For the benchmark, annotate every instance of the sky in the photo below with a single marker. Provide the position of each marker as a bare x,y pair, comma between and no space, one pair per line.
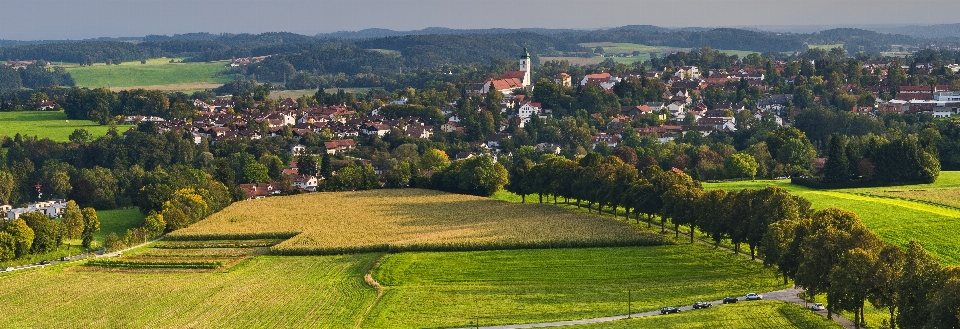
80,19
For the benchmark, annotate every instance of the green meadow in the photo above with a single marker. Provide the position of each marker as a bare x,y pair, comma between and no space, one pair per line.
156,72
449,289
49,124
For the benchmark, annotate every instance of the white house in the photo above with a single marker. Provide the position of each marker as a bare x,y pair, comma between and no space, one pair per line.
528,110
306,183
52,209
298,149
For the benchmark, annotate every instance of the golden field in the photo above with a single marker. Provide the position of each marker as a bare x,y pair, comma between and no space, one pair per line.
411,219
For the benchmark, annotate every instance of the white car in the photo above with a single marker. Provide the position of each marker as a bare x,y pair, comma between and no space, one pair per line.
753,296
817,307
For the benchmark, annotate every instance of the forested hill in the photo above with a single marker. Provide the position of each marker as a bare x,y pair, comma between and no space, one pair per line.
433,46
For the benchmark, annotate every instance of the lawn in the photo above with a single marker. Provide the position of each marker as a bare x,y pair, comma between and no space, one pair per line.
49,124
155,73
262,292
524,286
896,220
411,220
760,314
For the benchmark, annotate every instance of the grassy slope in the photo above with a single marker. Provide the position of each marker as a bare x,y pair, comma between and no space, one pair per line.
278,292
50,124
523,286
896,221
155,72
412,219
761,314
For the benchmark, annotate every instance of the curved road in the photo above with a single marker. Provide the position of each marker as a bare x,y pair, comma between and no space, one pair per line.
786,295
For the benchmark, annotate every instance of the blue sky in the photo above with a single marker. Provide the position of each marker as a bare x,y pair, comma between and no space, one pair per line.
77,19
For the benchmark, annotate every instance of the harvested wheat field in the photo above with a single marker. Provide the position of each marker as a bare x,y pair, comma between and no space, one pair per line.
410,220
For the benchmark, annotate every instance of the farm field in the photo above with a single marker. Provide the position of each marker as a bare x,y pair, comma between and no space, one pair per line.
759,314
411,220
49,124
897,221
266,291
157,73
523,286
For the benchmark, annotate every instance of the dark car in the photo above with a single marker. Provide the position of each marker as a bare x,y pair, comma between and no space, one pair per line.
729,300
669,309
44,262
699,305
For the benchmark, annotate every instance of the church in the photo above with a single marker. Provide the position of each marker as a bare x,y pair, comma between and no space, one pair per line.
511,80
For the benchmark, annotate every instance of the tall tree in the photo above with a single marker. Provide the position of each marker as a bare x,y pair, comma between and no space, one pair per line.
91,225
921,278
72,221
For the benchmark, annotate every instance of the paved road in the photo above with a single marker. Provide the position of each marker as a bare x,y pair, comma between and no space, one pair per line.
787,295
95,254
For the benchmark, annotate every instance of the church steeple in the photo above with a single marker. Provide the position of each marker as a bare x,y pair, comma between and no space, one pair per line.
526,67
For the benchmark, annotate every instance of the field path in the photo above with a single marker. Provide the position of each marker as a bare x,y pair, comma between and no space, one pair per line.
368,278
786,295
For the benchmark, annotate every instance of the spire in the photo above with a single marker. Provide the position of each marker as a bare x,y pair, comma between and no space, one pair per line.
525,53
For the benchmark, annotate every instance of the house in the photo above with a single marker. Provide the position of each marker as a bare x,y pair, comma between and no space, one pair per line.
493,141
504,86
419,131
563,80
52,208
687,72
260,190
298,149
450,127
720,123
306,182
528,110
547,148
45,105
378,129
339,145
676,108
610,140
604,80
775,103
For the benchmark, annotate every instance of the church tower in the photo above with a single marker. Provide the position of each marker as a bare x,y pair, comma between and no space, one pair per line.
525,67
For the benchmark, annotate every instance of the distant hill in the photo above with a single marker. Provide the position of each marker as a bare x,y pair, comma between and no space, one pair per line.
925,31
384,33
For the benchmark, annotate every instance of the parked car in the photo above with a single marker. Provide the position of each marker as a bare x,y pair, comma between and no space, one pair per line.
669,309
753,296
699,305
817,307
729,300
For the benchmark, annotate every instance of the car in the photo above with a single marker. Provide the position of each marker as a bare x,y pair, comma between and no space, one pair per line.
753,296
669,309
699,305
817,307
45,262
729,300
64,258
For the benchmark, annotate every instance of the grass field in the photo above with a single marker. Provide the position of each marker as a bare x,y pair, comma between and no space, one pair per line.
412,220
154,74
523,286
50,124
262,292
825,47
760,314
897,221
